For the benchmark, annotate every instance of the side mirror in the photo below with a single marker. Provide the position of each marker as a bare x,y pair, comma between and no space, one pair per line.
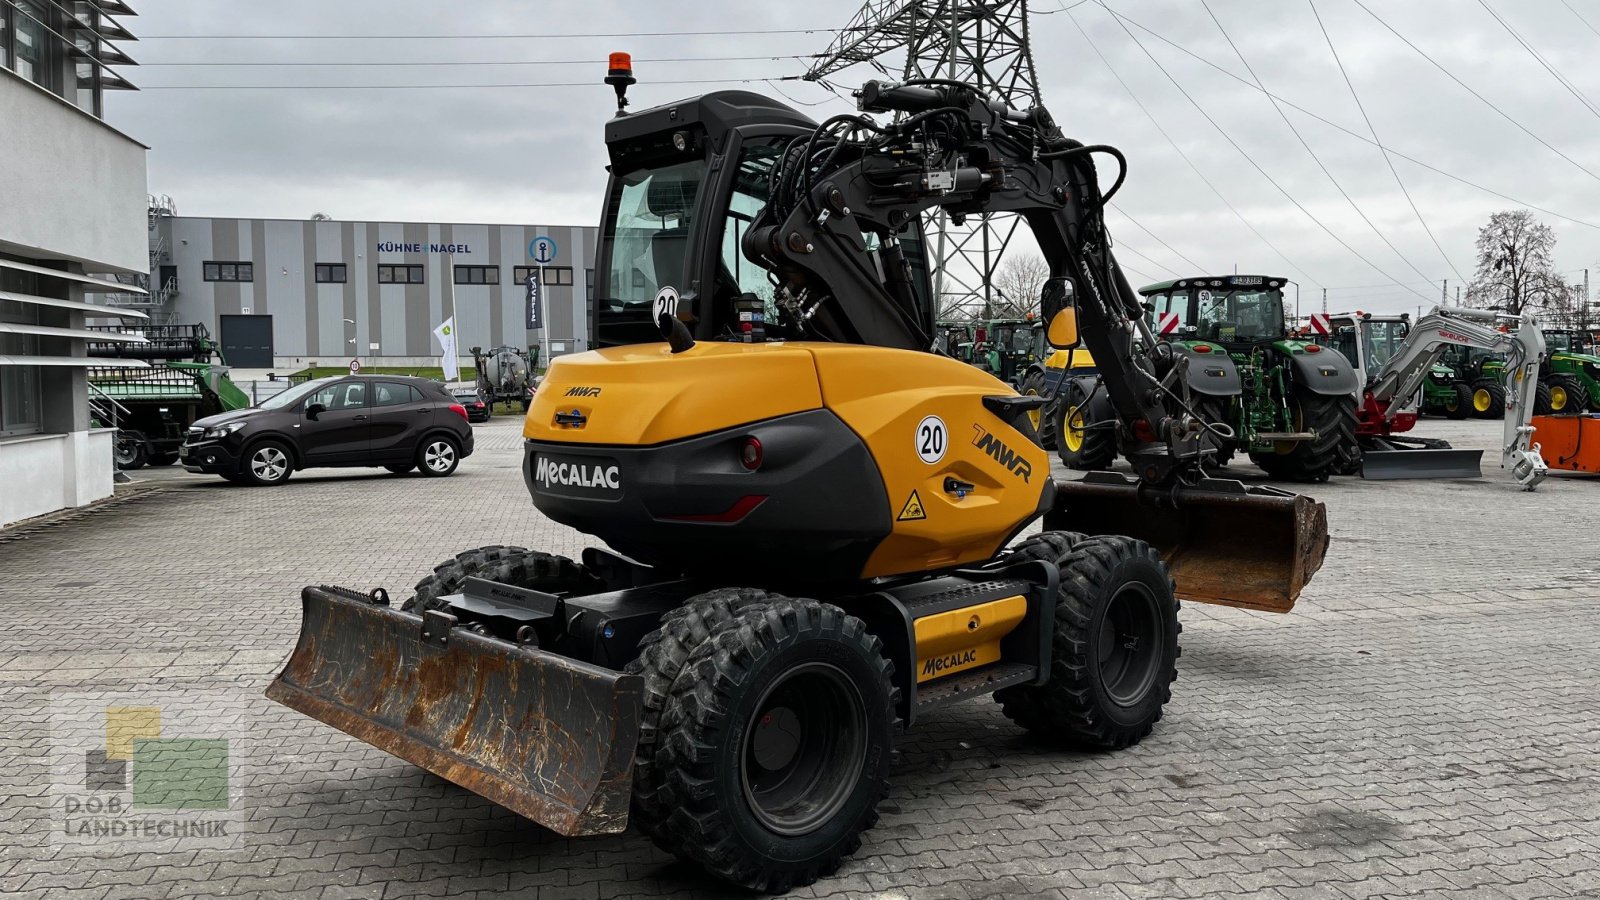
315,409
1059,304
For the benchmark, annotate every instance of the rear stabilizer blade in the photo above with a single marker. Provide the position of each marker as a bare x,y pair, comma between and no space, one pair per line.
1391,465
545,736
1224,542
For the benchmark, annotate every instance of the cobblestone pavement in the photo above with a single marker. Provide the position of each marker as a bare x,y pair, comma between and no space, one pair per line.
1423,724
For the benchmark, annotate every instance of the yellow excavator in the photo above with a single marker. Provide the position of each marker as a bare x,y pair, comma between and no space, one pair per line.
811,530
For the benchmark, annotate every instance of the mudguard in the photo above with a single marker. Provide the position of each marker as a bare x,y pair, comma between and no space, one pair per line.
1327,373
1211,374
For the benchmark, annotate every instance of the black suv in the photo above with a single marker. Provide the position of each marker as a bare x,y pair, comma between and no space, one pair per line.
393,421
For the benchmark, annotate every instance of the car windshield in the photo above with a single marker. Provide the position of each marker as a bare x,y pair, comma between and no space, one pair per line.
295,394
1236,316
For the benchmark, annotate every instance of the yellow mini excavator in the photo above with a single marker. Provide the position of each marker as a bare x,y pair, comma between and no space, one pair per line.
810,521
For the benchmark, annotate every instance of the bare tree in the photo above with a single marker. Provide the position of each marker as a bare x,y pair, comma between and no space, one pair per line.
1017,284
1515,271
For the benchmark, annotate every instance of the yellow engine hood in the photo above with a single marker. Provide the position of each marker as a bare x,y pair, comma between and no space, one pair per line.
643,394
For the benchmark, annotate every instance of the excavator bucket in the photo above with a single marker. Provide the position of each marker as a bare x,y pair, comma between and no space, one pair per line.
546,736
1225,543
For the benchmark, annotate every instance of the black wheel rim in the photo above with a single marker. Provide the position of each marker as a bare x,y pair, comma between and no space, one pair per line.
1130,644
804,749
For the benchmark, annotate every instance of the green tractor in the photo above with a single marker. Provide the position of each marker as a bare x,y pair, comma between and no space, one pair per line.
953,339
1484,374
1003,348
1569,379
1289,403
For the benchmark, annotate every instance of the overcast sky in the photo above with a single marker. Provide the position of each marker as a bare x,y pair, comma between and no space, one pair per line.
534,154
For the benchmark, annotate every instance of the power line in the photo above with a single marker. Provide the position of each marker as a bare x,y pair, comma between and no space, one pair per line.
1247,157
473,37
1503,114
1120,211
1360,137
1306,144
1124,248
1564,81
1153,121
1580,17
473,62
1368,119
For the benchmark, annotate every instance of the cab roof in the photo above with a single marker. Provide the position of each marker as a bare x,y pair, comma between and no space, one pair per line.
1216,281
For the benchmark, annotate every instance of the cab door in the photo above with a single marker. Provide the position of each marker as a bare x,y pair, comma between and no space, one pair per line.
336,424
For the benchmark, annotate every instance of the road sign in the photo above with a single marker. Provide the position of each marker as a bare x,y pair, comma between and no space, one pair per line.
543,250
355,367
1167,322
1320,324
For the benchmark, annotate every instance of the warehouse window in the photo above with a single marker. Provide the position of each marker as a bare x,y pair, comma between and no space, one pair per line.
399,274
331,273
214,270
477,275
588,285
549,275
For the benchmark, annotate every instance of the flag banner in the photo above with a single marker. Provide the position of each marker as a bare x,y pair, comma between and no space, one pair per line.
446,333
535,301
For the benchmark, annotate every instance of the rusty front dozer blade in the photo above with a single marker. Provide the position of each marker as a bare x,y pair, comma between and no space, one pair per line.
546,736
1225,543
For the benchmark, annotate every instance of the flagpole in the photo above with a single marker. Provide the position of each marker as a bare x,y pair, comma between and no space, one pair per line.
455,327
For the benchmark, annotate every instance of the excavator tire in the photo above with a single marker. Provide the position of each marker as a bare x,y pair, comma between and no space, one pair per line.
1489,400
1114,650
1045,419
1460,406
775,744
1086,436
662,654
1333,418
506,565
1568,396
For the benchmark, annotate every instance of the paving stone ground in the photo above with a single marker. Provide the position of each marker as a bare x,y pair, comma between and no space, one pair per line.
1424,724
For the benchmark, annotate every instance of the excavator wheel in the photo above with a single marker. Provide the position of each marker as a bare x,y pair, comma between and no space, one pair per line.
1045,419
775,744
1459,406
1115,647
1331,452
1567,395
1489,400
1086,432
506,565
662,654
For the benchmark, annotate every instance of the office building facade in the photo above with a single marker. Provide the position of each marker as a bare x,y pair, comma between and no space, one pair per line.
72,213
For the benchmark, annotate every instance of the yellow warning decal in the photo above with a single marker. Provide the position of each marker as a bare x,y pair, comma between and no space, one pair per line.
912,510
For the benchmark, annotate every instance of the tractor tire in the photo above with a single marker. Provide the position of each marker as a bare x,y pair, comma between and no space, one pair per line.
1568,396
1333,450
505,565
775,744
662,654
1541,399
1114,649
1489,400
130,453
1043,419
1461,405
267,463
1086,438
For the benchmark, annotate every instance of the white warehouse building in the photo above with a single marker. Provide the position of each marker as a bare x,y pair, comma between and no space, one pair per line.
287,293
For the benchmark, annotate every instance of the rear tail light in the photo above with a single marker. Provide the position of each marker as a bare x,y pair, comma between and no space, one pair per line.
459,410
1202,348
1313,348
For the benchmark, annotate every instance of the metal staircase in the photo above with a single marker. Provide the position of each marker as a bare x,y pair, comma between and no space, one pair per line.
157,301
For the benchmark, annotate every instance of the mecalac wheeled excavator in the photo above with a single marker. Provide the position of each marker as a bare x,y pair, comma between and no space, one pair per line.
812,527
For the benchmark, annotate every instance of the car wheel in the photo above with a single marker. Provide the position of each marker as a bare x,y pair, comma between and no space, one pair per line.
268,463
438,456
